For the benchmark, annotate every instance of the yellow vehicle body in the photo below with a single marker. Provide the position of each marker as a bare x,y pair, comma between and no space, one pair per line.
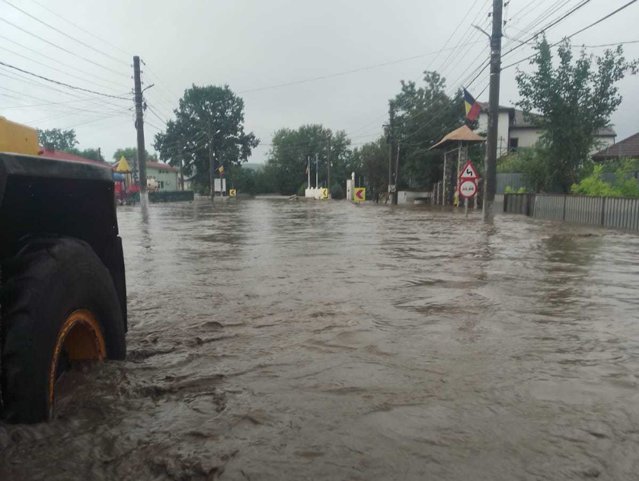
18,138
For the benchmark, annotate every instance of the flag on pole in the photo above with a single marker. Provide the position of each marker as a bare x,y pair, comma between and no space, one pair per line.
472,106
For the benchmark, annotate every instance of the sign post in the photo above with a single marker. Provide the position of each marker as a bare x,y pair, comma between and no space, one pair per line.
468,184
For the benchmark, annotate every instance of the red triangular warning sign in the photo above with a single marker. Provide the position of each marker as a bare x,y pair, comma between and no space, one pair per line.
468,172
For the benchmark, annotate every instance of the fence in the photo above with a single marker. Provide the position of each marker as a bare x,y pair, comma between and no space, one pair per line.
612,212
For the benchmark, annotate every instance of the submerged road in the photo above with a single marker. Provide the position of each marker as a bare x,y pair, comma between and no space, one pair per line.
277,340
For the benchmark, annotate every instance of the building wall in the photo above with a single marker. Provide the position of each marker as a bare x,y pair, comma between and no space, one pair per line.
525,137
168,180
503,127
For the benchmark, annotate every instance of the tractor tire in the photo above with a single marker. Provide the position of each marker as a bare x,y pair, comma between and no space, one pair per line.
58,306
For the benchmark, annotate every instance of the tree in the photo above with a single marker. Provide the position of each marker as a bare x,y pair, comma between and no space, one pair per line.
575,98
292,148
371,161
57,139
423,115
208,127
131,154
93,154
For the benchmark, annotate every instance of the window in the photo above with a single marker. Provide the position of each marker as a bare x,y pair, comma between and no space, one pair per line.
513,144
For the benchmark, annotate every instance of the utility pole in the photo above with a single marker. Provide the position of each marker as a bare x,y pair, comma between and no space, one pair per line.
211,163
390,139
328,161
139,125
490,180
308,171
396,193
316,171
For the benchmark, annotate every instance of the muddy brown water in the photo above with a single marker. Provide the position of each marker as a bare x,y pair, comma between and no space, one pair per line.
277,340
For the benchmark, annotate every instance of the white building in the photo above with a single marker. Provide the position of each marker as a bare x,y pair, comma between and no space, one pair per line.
514,131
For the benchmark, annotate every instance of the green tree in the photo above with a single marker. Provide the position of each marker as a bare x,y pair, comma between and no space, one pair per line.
58,139
423,116
575,97
291,149
93,154
131,154
208,124
371,161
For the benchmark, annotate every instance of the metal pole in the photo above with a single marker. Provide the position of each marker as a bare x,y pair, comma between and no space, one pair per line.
444,180
316,171
308,171
493,113
139,125
390,139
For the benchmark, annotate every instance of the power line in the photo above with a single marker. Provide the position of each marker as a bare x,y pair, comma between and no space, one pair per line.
64,84
60,48
61,32
88,32
346,72
596,22
65,72
71,67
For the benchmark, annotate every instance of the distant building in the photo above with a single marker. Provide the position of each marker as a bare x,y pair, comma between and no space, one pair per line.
515,131
624,149
62,155
165,175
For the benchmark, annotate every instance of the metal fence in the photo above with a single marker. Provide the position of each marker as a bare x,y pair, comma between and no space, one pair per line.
612,212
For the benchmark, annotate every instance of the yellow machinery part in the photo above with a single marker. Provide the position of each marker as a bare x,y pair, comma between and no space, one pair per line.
18,138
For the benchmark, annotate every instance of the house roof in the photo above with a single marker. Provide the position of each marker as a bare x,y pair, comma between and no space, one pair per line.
520,121
461,134
149,165
61,155
160,166
628,147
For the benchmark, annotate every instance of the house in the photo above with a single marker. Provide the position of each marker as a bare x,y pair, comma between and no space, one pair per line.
159,176
165,175
514,130
624,149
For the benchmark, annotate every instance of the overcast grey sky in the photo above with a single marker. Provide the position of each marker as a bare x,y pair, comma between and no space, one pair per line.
259,46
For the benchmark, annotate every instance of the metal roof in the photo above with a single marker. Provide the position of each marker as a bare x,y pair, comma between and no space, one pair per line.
626,148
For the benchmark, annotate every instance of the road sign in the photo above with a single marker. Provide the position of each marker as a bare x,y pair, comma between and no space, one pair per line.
359,194
468,172
468,189
232,192
324,193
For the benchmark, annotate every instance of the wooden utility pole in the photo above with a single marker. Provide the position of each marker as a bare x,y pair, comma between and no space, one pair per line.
493,113
139,125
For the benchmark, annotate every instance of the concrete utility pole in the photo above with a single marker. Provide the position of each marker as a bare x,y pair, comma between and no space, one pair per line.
139,125
396,193
211,163
490,180
328,161
390,139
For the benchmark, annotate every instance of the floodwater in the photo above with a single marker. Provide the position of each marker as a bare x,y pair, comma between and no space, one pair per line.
279,340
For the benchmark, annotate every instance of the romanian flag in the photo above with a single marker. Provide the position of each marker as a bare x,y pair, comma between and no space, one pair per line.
472,106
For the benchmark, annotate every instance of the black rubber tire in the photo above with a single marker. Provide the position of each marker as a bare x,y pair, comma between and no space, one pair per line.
42,285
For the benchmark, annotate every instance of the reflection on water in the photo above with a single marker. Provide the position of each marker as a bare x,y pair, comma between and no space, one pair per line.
302,340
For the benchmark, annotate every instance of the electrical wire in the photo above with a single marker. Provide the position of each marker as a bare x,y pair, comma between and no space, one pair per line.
61,48
61,32
64,84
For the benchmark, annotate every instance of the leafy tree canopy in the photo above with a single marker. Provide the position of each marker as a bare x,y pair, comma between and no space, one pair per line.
131,154
292,148
576,97
208,125
58,139
424,114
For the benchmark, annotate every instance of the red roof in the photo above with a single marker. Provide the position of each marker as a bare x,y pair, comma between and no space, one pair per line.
60,155
160,166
